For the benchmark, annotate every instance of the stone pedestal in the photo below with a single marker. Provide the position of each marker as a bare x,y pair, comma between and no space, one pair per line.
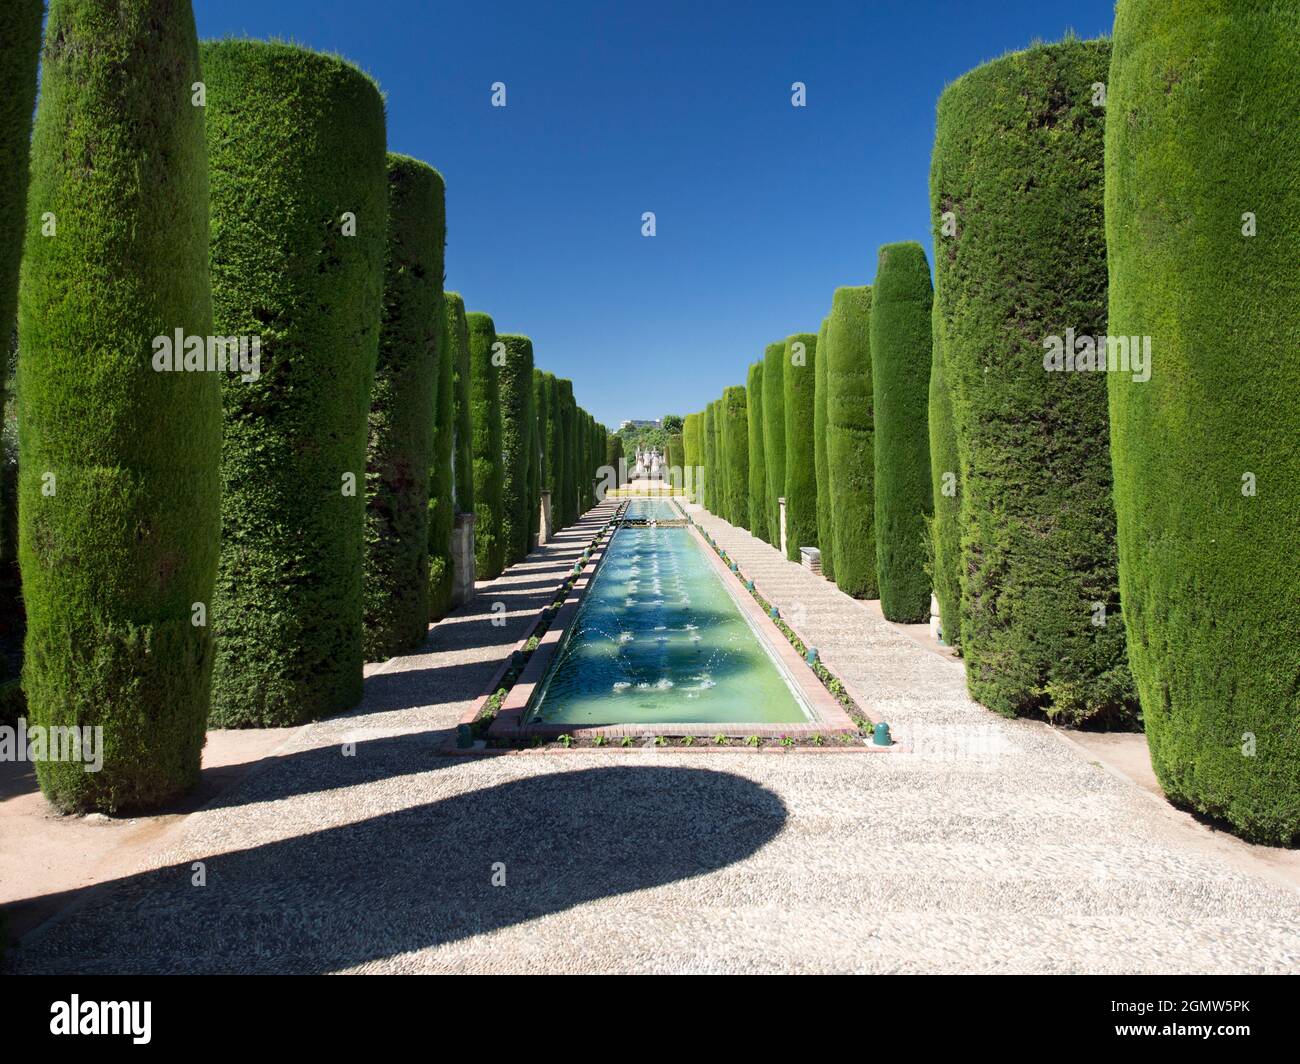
783,550
544,529
462,560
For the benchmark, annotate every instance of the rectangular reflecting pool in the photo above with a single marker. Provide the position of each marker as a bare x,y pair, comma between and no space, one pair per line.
659,639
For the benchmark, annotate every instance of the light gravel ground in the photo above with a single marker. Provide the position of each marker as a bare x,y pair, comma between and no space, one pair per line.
994,846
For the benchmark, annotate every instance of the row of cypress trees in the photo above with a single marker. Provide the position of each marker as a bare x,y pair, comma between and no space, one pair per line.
222,534
1109,535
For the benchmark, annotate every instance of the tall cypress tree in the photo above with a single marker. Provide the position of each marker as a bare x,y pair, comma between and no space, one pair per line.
1207,468
1022,137
403,402
825,520
757,489
463,441
736,427
517,434
901,305
294,138
850,451
20,45
800,370
118,479
485,406
693,454
774,435
444,471
945,488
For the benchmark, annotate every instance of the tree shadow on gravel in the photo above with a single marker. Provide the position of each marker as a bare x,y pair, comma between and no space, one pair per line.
416,878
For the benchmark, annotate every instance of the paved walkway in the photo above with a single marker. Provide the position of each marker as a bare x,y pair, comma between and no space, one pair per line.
995,846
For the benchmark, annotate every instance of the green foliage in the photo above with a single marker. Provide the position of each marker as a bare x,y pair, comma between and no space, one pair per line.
20,45
463,438
800,381
756,491
693,451
296,147
945,478
403,400
565,415
516,376
445,468
485,409
614,451
1021,138
676,456
901,306
774,435
672,424
543,392
116,554
850,451
825,520
735,425
1208,566
710,440
720,460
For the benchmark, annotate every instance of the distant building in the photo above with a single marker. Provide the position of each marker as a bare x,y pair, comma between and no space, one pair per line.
635,424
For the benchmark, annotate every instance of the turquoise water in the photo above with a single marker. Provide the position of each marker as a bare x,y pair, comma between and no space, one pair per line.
659,640
652,510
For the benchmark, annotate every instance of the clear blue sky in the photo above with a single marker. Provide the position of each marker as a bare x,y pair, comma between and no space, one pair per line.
680,108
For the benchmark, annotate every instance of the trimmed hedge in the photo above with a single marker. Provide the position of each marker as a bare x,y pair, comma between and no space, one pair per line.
774,435
825,520
800,453
564,413
405,395
901,307
736,429
542,393
614,455
850,450
723,497
517,446
295,138
1207,468
710,441
1021,137
20,46
463,416
443,470
676,459
945,480
756,492
118,479
485,410
573,417
693,451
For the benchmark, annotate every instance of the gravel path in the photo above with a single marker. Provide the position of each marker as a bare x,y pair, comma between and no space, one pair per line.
994,846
